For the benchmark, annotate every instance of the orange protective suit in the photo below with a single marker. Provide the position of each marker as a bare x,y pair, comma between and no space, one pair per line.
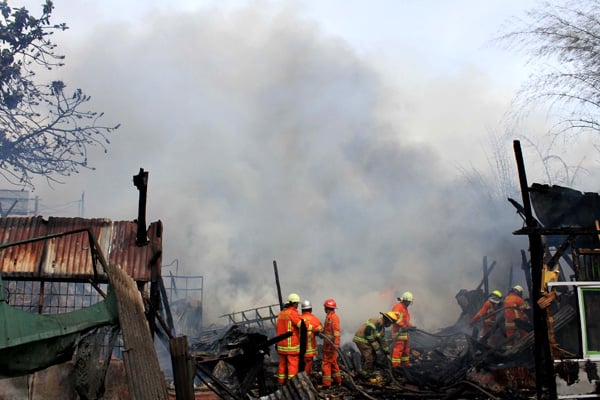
401,350
288,349
313,326
514,308
488,316
332,333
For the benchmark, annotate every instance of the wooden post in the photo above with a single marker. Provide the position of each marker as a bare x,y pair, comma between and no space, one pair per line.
278,287
544,368
140,181
486,282
182,368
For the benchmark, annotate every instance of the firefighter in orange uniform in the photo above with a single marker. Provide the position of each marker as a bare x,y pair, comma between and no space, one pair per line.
370,338
514,309
288,349
488,313
313,329
401,350
331,343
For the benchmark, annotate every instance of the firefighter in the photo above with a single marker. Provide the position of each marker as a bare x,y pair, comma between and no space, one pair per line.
370,338
313,329
330,368
488,314
401,348
288,349
514,310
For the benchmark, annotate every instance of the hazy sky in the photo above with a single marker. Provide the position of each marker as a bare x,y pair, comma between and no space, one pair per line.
336,137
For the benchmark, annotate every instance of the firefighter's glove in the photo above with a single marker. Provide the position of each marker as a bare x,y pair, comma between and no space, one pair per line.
319,334
386,353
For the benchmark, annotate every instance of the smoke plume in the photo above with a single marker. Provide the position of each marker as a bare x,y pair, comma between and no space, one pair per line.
266,139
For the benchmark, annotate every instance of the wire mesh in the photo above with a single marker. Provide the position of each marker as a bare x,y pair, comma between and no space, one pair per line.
51,298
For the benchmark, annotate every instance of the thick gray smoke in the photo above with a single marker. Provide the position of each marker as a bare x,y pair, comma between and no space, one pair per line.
266,140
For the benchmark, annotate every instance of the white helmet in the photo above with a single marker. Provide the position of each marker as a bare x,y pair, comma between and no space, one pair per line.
518,289
306,305
407,296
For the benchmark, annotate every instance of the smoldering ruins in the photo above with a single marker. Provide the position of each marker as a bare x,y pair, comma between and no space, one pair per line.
116,346
329,188
267,163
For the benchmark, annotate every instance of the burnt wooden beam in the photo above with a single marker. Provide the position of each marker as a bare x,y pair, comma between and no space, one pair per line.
560,251
140,181
278,286
214,383
544,368
486,282
486,273
526,267
154,265
567,230
165,302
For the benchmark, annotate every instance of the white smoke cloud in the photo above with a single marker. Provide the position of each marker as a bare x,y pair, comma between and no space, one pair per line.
267,140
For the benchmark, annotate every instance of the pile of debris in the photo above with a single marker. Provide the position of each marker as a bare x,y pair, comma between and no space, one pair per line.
241,363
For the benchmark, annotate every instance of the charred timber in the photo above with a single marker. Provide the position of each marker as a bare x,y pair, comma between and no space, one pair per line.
569,230
543,362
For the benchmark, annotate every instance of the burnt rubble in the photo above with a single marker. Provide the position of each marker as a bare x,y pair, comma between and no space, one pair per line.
241,363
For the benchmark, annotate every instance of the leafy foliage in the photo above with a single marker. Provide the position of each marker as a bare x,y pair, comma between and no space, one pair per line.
43,130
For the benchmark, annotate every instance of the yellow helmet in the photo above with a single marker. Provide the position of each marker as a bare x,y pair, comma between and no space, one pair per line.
293,298
497,293
391,316
407,296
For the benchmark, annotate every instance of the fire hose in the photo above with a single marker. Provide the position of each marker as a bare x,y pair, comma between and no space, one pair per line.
482,390
522,324
437,335
465,382
390,371
394,380
347,369
461,333
498,311
355,386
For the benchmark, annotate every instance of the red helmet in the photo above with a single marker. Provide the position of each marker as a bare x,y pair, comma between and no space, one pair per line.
330,303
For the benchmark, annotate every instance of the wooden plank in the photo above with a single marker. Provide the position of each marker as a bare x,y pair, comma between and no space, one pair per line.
184,378
145,379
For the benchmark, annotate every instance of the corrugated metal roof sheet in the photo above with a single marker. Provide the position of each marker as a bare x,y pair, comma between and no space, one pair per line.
68,257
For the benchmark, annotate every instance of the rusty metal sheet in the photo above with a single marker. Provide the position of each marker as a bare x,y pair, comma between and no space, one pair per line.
68,257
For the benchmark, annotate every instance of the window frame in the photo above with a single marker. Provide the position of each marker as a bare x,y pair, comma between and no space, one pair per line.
581,287
587,352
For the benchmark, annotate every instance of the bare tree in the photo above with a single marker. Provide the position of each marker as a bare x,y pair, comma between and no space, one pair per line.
554,167
563,42
43,129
